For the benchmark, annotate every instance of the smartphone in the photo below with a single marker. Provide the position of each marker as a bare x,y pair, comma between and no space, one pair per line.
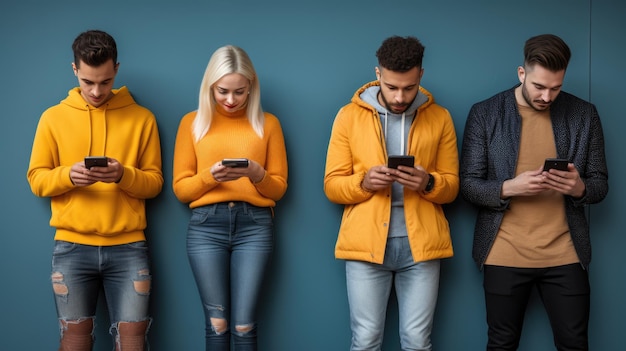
235,162
96,161
393,161
556,163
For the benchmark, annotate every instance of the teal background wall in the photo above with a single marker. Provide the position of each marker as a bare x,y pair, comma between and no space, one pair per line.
311,57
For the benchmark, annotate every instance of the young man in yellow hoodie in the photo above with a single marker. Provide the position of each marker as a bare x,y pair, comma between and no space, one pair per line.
98,211
393,231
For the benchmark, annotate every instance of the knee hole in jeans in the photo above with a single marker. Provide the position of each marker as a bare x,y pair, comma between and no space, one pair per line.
244,328
133,328
78,326
76,334
219,325
131,336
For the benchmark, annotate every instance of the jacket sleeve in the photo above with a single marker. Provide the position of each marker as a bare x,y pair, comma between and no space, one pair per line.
594,172
477,186
446,171
341,184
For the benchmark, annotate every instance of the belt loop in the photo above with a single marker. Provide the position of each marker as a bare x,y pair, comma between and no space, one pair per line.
212,208
245,207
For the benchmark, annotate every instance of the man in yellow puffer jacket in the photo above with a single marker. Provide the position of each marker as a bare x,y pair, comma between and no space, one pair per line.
393,230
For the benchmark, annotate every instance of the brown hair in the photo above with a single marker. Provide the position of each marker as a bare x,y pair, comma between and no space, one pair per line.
547,50
94,47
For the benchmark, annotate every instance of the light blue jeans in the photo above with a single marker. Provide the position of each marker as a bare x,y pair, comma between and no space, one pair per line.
369,287
229,246
80,272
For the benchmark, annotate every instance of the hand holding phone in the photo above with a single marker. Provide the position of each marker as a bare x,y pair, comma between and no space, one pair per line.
235,162
556,163
96,161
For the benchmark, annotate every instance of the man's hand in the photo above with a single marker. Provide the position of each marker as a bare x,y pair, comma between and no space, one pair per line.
565,182
381,177
414,178
81,176
377,178
528,183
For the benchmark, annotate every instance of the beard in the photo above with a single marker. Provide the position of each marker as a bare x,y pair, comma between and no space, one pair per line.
532,103
395,108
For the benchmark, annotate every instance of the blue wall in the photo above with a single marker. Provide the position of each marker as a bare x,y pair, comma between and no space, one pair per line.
310,57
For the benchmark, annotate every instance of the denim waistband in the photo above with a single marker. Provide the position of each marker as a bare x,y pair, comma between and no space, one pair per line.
230,205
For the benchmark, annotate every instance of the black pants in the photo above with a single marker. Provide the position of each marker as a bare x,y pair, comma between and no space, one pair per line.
564,291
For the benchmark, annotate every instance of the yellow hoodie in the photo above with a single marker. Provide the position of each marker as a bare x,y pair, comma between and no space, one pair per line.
101,214
357,144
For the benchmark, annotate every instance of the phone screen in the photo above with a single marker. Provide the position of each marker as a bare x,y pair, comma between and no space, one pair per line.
96,161
235,162
393,161
556,163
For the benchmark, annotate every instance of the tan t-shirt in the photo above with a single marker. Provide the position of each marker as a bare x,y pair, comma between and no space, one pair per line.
534,231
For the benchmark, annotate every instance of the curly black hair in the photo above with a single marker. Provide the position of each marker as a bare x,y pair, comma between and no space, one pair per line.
400,54
94,47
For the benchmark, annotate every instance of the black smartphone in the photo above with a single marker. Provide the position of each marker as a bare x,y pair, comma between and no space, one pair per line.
235,162
393,161
556,163
96,161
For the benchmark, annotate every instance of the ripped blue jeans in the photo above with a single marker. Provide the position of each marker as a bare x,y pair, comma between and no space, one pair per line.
229,246
80,272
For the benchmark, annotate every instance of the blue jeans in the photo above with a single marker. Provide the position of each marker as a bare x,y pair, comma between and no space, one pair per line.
79,272
369,287
229,246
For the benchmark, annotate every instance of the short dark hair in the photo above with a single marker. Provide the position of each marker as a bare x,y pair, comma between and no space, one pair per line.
94,47
400,54
547,50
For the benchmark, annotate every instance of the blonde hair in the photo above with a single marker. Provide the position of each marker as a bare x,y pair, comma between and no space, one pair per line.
227,60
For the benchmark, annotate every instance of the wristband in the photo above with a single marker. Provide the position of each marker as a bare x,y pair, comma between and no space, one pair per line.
431,183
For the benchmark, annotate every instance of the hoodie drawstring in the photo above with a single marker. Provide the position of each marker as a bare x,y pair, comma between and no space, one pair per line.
104,131
90,129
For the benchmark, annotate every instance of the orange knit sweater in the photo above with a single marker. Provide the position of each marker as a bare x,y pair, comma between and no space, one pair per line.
230,136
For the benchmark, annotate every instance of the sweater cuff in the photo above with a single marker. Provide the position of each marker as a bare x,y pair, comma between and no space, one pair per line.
260,181
361,178
207,177
69,177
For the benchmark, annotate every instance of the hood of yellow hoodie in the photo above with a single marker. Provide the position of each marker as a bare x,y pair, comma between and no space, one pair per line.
121,98
357,99
96,116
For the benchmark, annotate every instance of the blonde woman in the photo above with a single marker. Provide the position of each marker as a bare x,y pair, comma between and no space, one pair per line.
230,166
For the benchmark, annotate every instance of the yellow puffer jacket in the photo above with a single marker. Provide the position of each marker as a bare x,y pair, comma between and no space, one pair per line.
357,144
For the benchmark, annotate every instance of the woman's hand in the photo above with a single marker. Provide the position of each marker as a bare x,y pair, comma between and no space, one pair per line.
222,173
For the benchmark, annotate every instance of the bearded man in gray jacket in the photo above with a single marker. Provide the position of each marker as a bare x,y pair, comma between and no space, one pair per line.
531,229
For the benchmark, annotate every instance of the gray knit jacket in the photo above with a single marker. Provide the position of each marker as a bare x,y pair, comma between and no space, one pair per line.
489,156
